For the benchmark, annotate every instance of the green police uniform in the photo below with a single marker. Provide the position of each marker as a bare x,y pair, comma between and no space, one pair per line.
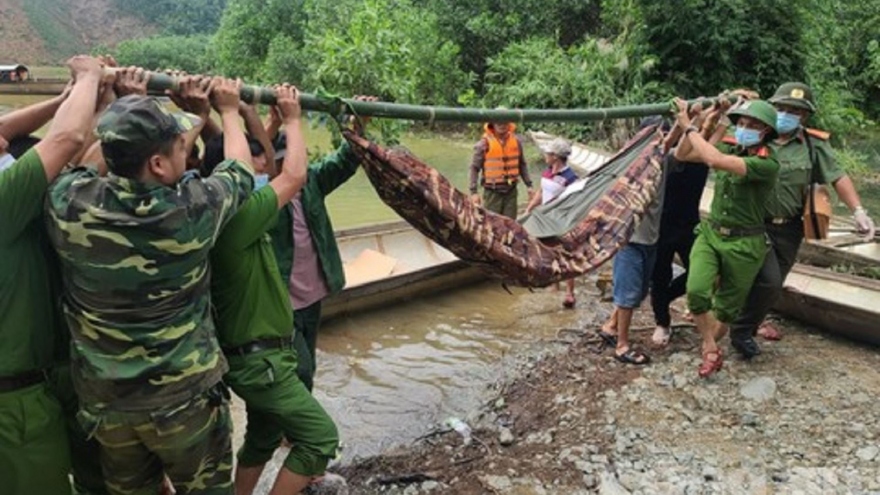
255,328
783,213
731,246
34,454
324,177
146,361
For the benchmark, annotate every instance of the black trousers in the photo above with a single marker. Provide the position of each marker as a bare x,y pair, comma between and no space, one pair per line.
665,289
785,241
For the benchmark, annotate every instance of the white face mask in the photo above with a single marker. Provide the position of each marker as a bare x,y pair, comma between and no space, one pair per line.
6,161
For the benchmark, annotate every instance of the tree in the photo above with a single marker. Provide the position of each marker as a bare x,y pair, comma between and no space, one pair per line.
178,18
249,29
705,46
187,53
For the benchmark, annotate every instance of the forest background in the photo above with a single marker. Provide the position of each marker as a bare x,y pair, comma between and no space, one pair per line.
523,53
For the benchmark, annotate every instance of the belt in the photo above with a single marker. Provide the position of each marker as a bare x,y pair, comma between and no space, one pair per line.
781,220
737,231
259,345
21,380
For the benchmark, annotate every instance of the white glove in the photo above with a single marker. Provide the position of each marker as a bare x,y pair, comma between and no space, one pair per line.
864,224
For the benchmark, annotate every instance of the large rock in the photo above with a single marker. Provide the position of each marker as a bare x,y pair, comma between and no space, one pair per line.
608,485
759,389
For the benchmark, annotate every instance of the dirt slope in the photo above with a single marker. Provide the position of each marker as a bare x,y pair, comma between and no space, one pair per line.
48,31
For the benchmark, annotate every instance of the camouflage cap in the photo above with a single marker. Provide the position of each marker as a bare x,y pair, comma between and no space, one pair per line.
795,94
136,121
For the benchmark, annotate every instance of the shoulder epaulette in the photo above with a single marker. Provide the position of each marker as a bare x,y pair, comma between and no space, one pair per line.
728,139
816,133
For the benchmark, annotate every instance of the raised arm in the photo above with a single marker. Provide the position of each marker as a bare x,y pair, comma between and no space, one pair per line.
28,119
225,99
74,117
292,175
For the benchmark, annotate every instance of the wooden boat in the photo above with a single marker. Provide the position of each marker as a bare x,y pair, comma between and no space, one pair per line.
582,160
391,262
33,87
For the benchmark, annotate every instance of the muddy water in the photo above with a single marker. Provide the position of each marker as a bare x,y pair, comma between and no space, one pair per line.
386,376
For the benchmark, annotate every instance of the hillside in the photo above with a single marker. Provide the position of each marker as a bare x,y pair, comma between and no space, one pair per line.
49,31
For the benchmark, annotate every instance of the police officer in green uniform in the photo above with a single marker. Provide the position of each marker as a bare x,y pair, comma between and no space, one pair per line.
254,322
804,156
34,455
134,252
730,245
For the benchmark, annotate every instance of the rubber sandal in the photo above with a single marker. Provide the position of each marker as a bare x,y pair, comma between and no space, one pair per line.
769,331
632,356
568,302
609,339
711,366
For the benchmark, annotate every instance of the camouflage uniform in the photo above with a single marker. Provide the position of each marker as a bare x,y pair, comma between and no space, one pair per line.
146,362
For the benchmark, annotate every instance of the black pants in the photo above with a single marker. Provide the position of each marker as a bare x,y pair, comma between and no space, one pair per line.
306,322
665,289
767,289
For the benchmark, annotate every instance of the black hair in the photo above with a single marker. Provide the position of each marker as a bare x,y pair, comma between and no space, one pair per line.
127,161
214,153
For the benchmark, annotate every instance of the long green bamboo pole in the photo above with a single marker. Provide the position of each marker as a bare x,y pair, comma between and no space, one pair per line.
337,106
158,83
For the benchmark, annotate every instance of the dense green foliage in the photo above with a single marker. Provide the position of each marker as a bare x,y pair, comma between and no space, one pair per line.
174,17
187,53
540,53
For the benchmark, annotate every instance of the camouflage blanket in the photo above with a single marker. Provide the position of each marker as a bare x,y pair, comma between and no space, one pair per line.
500,245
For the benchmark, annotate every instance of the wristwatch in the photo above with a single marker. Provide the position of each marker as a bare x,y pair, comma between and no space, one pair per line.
690,129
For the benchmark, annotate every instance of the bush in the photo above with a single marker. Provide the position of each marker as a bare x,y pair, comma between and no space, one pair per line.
187,53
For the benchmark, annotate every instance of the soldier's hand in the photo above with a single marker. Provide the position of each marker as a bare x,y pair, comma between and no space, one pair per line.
131,81
864,224
226,94
287,103
681,117
83,65
476,199
193,95
359,123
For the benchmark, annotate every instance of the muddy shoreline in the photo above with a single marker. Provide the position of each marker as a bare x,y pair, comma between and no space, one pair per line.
565,417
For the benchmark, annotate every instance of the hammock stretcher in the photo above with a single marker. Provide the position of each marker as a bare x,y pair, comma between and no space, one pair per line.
586,228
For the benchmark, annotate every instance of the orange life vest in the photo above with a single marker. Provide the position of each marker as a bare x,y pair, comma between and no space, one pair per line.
501,165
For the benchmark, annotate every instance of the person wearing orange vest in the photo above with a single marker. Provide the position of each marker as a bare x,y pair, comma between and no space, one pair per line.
498,156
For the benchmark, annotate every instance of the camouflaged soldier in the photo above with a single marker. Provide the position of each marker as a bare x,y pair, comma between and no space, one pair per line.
134,248
34,455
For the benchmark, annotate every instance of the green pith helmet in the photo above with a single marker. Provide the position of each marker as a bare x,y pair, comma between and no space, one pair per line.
759,110
795,94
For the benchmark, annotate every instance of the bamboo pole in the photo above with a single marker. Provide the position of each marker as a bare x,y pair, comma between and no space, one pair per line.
158,83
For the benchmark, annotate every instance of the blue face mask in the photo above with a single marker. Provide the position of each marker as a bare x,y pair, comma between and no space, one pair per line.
260,181
6,162
747,137
787,122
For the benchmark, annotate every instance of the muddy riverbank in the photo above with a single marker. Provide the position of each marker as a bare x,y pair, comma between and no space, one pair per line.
562,418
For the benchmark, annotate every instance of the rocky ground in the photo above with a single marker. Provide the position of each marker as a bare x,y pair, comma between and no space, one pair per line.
802,418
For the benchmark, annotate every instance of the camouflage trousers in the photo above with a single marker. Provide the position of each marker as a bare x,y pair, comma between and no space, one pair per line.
189,442
34,454
278,404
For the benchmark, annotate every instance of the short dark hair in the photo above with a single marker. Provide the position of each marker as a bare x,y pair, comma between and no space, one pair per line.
214,154
129,162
